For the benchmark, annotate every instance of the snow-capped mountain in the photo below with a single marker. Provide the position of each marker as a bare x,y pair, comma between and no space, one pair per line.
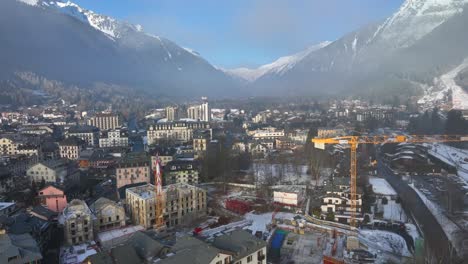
279,66
422,40
62,41
415,19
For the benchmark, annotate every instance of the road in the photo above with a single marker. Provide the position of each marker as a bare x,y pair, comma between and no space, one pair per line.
436,240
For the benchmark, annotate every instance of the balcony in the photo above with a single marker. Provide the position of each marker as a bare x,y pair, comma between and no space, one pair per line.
261,257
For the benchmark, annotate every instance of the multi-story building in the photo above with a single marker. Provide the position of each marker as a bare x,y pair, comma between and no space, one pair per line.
180,131
133,169
7,147
172,113
201,138
107,214
200,112
337,200
113,138
52,171
88,134
52,198
266,133
77,222
70,148
184,203
11,147
182,171
165,155
326,132
105,121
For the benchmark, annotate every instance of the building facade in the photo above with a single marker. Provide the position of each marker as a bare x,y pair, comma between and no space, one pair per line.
113,138
71,148
184,203
52,198
172,113
77,222
89,134
179,131
53,171
182,171
107,214
105,121
133,169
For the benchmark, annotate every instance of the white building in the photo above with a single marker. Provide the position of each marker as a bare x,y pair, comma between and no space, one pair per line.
113,138
177,131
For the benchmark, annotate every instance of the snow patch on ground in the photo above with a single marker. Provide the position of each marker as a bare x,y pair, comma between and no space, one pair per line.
384,240
260,221
381,186
441,88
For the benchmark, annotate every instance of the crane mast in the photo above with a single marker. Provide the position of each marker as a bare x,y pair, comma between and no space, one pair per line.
159,206
354,141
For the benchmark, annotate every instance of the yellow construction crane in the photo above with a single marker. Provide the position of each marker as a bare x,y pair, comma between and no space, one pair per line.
354,141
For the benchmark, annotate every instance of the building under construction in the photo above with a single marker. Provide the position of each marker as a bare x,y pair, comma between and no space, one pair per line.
184,203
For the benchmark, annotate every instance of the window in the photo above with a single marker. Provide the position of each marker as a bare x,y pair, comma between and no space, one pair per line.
117,217
110,219
101,220
249,258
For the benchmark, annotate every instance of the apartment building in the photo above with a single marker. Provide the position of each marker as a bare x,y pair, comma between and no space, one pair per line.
201,138
133,169
52,171
172,113
77,222
184,203
266,133
11,147
182,171
89,134
70,148
180,131
113,138
105,121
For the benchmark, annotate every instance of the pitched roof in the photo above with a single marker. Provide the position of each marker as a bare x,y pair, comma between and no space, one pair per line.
145,245
240,242
189,249
124,254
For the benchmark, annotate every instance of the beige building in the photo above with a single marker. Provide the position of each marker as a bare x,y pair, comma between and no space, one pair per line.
71,148
172,113
184,203
9,147
177,131
52,171
266,133
77,223
105,121
133,169
108,214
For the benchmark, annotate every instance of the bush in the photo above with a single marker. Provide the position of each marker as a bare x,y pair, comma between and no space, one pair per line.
330,216
316,211
384,200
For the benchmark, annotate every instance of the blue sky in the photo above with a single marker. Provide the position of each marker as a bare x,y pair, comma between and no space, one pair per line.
235,33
